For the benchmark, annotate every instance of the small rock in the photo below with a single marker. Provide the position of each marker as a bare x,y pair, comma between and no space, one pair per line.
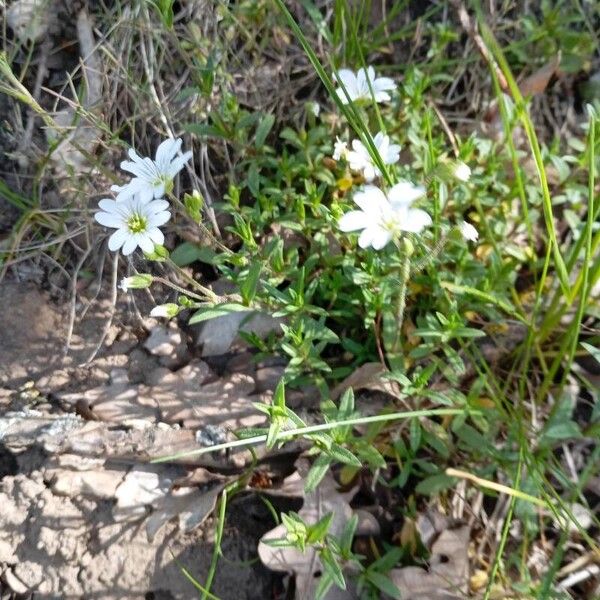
216,336
141,366
241,363
96,483
168,344
267,378
14,583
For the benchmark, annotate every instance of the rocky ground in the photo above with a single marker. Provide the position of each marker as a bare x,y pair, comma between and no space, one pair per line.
83,511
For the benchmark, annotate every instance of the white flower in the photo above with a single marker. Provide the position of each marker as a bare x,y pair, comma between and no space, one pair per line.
168,310
340,149
360,159
357,85
382,217
468,232
152,177
462,172
137,222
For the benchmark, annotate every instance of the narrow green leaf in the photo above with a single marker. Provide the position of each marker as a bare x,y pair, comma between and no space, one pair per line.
249,285
318,531
219,310
384,584
263,129
317,472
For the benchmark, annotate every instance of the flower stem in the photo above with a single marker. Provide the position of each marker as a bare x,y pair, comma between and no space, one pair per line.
394,350
210,295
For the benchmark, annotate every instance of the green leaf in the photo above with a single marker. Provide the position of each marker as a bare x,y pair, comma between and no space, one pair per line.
253,179
346,404
317,472
219,310
274,430
332,568
318,531
384,584
348,534
595,352
343,455
263,129
560,425
434,484
279,396
249,285
187,253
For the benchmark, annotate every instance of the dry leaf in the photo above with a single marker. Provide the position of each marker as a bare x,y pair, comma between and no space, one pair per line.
368,377
305,565
448,575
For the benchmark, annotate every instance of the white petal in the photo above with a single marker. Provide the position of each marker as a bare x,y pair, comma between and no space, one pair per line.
366,237
107,205
353,221
156,206
167,150
156,235
383,84
108,219
127,190
158,191
145,243
159,219
348,80
393,154
469,232
136,168
178,163
130,245
405,193
416,220
146,194
380,139
382,97
346,77
370,172
381,238
117,239
371,199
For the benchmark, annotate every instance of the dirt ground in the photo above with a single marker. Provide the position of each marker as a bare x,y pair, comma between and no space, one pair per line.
61,531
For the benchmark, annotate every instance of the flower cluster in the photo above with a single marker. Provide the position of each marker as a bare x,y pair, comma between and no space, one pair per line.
139,209
383,217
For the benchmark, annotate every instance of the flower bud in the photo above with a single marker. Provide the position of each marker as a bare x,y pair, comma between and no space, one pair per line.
136,282
168,310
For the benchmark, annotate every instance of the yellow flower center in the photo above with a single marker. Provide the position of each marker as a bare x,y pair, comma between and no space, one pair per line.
137,223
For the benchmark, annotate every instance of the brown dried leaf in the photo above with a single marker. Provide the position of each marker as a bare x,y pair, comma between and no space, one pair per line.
448,575
368,377
325,499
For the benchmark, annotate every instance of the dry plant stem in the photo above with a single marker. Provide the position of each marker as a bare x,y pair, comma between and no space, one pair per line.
113,304
498,487
201,226
39,78
208,293
74,298
471,30
179,289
